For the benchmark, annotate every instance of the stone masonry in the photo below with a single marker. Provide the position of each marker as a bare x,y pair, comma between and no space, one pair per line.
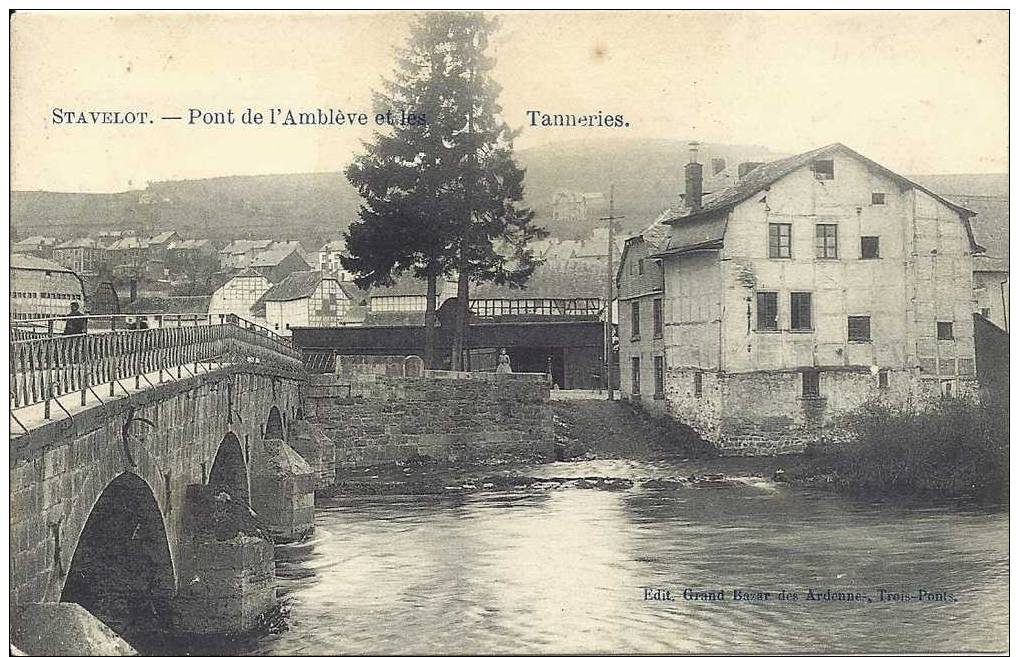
445,416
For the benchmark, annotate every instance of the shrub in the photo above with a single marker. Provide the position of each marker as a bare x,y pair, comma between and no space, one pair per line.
955,448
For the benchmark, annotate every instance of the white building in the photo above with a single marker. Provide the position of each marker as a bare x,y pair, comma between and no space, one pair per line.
328,260
239,294
304,298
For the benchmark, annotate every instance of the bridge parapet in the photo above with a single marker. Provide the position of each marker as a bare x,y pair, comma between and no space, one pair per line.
45,368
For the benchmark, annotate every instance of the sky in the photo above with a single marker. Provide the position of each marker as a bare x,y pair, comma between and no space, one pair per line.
919,92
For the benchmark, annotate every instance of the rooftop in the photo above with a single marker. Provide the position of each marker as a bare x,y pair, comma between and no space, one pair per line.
25,261
298,285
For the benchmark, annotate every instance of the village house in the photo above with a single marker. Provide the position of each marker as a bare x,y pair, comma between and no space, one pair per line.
328,259
279,261
108,238
36,245
571,207
159,244
990,269
305,299
41,288
640,285
238,253
128,254
189,255
239,294
811,285
82,255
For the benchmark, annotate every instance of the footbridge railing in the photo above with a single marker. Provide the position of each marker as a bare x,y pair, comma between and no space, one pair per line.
49,366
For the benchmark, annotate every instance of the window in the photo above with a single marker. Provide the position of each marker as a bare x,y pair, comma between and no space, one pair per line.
698,384
947,389
635,319
767,311
799,311
823,169
635,375
859,329
780,240
656,312
882,379
827,241
640,266
659,376
870,248
877,198
811,384
986,312
945,331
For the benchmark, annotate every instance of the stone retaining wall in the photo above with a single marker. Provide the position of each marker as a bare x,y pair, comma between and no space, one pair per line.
445,416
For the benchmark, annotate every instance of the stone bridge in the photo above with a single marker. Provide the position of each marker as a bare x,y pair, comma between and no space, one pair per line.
151,472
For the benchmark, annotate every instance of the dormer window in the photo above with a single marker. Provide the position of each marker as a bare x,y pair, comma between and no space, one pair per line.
823,169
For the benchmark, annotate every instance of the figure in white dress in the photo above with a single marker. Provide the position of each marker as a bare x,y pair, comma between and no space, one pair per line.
503,366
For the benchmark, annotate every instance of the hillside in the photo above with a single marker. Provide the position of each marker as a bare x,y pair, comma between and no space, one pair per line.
647,174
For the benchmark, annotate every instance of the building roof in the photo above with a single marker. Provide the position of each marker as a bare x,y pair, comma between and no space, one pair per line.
705,227
298,285
183,305
80,243
990,225
353,292
571,280
273,256
26,261
243,246
128,243
37,240
163,237
248,273
188,244
407,285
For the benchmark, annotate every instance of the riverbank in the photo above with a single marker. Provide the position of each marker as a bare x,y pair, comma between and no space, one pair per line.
956,449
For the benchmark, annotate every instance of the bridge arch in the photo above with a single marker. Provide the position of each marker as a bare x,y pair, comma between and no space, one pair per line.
230,470
121,569
274,428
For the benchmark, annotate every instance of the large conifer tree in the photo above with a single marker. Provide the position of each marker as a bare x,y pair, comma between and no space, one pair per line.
443,197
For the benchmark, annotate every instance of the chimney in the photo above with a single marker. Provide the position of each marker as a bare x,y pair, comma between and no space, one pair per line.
747,167
694,179
717,165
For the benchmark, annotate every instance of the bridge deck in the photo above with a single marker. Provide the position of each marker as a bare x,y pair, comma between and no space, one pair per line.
34,416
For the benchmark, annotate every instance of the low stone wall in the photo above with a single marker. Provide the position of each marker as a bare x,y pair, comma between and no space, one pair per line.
445,416
764,413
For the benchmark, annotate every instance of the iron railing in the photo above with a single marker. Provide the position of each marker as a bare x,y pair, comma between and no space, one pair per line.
45,368
32,329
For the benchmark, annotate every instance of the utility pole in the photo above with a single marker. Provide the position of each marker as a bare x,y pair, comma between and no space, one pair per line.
610,281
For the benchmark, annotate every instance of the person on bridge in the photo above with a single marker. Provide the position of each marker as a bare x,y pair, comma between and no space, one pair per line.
76,324
503,363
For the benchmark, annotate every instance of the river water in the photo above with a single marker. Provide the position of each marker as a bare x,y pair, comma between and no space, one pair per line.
558,568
